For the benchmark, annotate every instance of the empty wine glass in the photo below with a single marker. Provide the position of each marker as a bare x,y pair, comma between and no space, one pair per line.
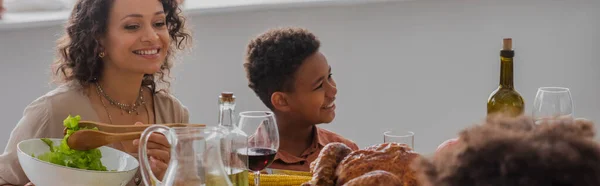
552,102
403,137
263,141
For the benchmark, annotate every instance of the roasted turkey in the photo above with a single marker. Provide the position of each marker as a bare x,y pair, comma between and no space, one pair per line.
324,167
382,164
376,178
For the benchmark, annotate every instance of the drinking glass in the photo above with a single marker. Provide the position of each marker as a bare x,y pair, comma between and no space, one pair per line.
552,102
403,137
263,141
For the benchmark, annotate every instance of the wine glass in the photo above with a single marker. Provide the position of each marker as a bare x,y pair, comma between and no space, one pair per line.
263,141
402,137
552,102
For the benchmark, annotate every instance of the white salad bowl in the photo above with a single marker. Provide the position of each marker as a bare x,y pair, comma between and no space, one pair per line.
121,167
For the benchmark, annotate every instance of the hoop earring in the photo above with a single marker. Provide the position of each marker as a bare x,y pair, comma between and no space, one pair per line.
101,55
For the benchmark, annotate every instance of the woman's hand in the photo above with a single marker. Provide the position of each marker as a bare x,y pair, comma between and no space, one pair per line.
158,153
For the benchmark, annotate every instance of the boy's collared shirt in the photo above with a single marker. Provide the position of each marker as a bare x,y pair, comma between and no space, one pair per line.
322,137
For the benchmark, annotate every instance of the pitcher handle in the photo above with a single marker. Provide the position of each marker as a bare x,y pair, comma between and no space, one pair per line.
147,175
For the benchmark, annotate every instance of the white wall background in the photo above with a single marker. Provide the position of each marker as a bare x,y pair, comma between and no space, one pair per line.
423,65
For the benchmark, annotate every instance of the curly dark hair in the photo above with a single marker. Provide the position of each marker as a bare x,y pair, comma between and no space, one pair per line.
78,49
561,152
273,57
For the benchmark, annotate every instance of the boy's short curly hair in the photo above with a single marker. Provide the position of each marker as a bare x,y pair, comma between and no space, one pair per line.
515,152
273,57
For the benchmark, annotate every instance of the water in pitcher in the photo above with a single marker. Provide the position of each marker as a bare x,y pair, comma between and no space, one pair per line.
195,158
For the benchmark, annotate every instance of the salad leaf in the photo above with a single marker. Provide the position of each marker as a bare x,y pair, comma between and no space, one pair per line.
65,156
49,143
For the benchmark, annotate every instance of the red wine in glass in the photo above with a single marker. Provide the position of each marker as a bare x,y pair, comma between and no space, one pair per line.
258,157
262,141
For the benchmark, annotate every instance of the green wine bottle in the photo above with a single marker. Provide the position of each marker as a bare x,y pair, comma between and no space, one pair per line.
505,99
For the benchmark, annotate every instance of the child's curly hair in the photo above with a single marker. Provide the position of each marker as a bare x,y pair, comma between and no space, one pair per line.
273,57
517,152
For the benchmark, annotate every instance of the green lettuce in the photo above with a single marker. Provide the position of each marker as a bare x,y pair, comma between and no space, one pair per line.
65,156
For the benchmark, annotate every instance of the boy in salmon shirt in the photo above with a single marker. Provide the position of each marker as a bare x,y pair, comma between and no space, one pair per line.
291,77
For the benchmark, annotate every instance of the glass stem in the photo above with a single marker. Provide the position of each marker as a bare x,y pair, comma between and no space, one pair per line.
257,178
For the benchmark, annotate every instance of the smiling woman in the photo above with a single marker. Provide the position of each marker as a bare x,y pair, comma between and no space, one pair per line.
111,61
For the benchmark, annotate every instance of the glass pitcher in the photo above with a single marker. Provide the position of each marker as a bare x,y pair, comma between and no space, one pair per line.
195,157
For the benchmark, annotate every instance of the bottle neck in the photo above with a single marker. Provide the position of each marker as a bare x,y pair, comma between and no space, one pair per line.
506,69
226,114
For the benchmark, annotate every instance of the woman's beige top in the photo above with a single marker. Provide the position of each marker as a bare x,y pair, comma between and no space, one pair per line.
43,118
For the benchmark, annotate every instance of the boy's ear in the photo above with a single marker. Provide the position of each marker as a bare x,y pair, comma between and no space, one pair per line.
280,102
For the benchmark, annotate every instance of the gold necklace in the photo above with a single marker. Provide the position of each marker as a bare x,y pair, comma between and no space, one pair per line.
108,113
124,107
